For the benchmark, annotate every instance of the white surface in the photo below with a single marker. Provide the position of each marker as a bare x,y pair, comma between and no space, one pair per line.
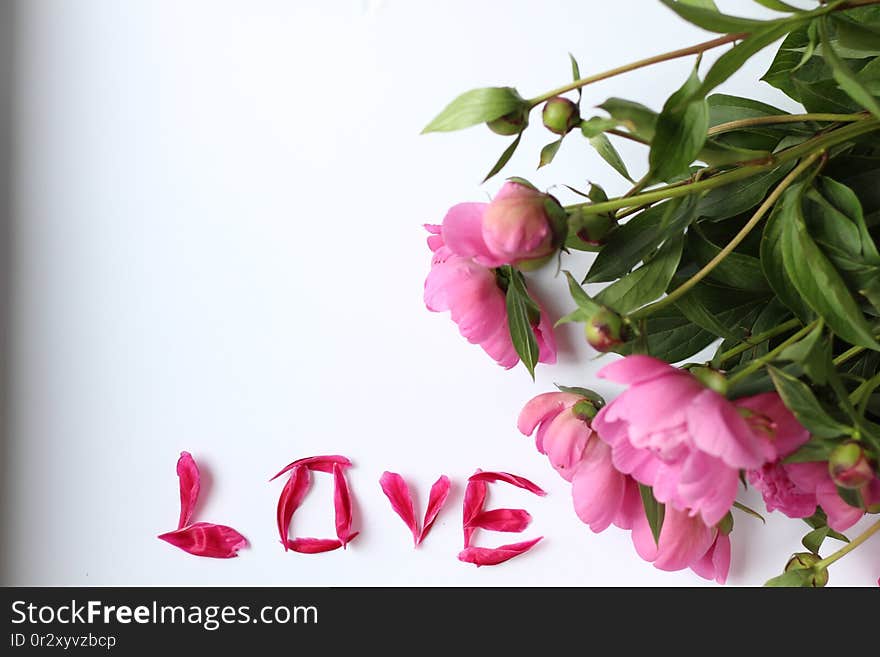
219,249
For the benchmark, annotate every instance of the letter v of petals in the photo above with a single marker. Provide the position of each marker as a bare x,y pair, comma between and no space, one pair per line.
398,494
436,500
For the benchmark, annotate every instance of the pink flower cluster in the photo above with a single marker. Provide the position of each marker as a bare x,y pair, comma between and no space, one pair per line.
688,443
473,240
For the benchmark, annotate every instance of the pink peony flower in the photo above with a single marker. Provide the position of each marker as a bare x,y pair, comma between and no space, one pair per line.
602,495
685,440
685,542
470,293
807,485
514,228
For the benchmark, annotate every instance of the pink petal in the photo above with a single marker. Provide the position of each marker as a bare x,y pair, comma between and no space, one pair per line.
718,429
519,482
481,556
342,505
398,494
540,410
788,433
313,545
502,520
545,337
317,464
188,473
290,499
474,498
462,232
635,369
436,500
598,488
841,516
205,539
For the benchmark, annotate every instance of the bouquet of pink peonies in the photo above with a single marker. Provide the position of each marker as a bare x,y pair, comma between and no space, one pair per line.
752,234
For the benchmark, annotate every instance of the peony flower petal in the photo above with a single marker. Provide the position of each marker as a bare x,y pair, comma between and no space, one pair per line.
190,484
317,464
519,482
398,494
636,369
313,545
291,497
718,429
342,505
462,232
205,539
502,520
436,500
481,556
474,498
541,410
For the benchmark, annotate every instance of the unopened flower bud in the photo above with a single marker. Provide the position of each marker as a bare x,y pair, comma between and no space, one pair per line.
605,330
560,115
585,410
512,123
522,225
849,466
591,229
806,561
710,378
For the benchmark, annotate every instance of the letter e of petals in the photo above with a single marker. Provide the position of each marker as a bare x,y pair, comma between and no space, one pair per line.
502,520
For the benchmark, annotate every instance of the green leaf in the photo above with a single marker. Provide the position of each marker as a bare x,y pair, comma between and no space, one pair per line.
813,540
638,119
749,511
593,396
724,108
819,283
736,270
671,336
581,298
777,5
732,60
734,199
713,20
811,353
771,253
819,519
476,106
857,35
869,76
548,152
680,133
575,74
646,283
608,153
801,577
633,241
521,332
801,401
654,510
692,307
845,76
505,157
597,125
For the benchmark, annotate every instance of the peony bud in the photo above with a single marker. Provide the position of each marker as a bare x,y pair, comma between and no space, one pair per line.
560,115
605,330
591,229
585,410
511,124
807,560
849,466
522,225
710,378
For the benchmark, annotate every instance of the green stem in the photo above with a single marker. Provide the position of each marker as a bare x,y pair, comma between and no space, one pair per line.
763,209
628,135
758,363
819,142
783,118
849,547
846,355
755,340
626,68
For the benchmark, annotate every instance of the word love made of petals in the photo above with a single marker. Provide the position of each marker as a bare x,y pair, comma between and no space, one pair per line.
221,542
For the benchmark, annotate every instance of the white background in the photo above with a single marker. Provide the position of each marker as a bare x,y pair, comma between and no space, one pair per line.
218,248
